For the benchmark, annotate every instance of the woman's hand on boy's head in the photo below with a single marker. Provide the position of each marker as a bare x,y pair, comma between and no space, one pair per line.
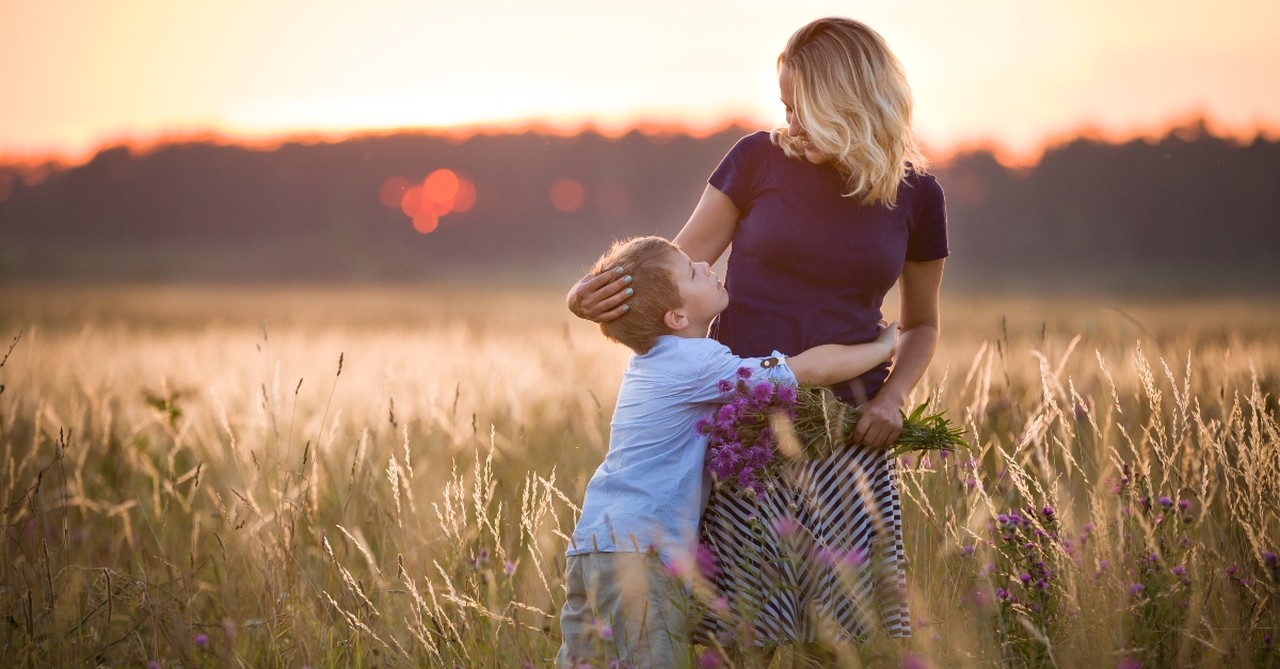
601,297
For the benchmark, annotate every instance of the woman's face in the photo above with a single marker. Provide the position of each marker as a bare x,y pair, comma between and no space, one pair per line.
794,129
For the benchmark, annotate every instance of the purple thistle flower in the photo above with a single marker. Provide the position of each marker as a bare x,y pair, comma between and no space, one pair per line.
1165,501
1184,504
785,526
725,386
1047,511
708,562
1136,589
1269,557
1001,593
723,462
202,640
786,394
910,661
762,392
709,659
743,373
1025,578
855,557
1179,570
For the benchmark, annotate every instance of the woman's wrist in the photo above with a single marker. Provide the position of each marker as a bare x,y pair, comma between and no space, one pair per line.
890,396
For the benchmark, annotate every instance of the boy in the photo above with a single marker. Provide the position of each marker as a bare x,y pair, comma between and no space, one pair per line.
639,519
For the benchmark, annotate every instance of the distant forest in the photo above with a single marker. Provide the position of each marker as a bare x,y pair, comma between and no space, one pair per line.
1189,212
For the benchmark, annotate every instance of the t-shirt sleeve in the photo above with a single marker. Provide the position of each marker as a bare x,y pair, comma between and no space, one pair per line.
722,365
735,176
928,234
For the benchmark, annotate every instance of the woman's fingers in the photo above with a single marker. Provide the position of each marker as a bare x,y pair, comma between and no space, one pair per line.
879,425
603,295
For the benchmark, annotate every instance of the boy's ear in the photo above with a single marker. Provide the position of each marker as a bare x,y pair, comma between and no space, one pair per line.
675,320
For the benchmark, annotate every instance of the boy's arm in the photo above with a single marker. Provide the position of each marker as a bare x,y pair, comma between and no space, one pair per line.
833,363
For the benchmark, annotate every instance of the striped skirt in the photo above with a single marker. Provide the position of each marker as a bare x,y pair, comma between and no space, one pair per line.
818,558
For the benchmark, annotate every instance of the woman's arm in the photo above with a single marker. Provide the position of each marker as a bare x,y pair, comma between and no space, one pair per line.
704,237
918,289
710,228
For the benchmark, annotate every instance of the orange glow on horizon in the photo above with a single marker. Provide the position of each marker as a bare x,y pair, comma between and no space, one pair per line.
31,168
1015,77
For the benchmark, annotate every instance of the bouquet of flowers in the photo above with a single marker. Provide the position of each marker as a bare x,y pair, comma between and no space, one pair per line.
764,426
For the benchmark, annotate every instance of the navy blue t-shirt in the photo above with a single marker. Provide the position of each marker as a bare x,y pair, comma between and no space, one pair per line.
808,266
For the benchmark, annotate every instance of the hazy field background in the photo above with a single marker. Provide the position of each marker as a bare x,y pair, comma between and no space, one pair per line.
381,476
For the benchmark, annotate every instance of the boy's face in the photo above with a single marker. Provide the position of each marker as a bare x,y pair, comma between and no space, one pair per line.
703,295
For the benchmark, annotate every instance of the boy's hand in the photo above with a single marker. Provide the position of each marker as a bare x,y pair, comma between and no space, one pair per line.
601,297
889,337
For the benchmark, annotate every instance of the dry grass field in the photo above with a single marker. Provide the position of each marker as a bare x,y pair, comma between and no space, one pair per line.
385,477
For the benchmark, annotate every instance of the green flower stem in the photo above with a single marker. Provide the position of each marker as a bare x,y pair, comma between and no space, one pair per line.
824,422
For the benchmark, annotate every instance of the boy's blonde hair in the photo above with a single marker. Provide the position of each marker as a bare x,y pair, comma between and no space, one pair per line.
647,260
852,98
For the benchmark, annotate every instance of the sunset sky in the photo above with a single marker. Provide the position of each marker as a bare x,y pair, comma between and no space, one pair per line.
78,74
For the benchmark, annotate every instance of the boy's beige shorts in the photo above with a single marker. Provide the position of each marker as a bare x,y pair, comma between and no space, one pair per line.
626,607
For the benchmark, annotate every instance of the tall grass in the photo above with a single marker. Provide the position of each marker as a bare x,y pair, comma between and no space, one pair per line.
387,478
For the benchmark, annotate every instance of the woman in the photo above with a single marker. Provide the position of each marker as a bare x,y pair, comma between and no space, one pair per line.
824,216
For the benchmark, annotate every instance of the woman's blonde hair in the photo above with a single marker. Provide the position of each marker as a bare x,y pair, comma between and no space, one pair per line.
852,98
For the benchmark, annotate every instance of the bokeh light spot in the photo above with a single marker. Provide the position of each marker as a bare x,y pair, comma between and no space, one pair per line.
391,193
441,192
425,223
567,195
441,186
411,202
466,195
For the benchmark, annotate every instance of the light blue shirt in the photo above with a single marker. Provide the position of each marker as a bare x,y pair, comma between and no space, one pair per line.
649,491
